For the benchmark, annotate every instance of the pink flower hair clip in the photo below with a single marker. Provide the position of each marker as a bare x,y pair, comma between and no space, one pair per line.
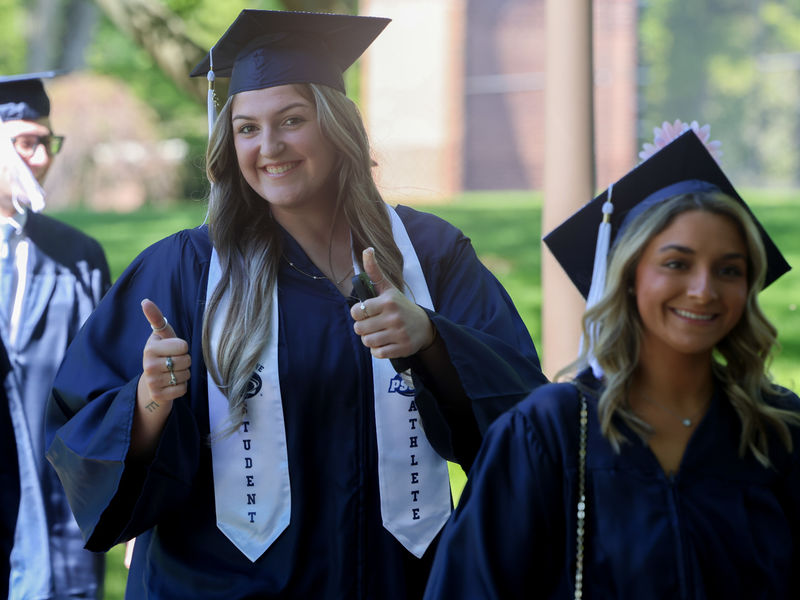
669,131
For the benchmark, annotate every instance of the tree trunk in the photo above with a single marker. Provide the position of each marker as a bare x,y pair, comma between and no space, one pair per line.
44,31
81,20
162,34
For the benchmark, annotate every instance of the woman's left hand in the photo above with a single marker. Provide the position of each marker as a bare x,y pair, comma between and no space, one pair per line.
390,324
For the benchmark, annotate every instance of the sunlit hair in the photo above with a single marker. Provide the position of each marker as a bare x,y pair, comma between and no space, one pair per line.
249,241
740,360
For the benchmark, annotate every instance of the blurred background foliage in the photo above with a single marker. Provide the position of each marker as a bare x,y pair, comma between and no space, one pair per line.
732,63
135,55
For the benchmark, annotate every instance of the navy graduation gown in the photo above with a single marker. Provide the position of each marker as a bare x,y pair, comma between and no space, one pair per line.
335,545
67,274
9,480
723,527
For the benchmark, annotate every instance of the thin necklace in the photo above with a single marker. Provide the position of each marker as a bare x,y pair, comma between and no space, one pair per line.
685,421
317,277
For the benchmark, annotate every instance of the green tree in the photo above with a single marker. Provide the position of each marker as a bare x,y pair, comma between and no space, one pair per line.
733,64
12,26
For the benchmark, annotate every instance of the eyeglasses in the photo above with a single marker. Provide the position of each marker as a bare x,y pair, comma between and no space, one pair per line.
27,145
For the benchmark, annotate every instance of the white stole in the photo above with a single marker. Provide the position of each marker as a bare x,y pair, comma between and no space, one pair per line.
251,468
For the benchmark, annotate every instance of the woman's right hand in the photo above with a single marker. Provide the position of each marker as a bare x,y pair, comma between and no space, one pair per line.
158,385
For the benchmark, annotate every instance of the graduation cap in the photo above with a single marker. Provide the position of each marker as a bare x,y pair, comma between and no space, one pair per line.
265,48
683,166
22,97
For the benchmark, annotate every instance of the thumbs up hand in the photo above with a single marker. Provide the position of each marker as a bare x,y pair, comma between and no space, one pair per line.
165,361
390,324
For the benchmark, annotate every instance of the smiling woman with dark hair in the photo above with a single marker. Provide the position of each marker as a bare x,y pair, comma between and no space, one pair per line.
669,467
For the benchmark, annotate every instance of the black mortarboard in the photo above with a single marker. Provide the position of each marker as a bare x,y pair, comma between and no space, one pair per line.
22,97
683,166
265,48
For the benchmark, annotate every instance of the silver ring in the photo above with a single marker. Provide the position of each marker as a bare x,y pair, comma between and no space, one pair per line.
170,364
364,310
170,368
162,328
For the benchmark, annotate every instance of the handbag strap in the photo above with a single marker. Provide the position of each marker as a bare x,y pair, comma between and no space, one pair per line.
584,418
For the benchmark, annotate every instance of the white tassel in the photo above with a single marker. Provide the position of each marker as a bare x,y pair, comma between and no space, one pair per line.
601,254
211,107
599,278
211,101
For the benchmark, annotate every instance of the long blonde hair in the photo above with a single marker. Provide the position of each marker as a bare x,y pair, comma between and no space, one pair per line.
741,359
249,244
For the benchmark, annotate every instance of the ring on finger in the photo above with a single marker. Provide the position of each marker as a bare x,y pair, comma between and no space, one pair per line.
364,310
162,328
170,367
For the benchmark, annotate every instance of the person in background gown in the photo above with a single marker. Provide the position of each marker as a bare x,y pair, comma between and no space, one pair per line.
691,455
51,278
258,441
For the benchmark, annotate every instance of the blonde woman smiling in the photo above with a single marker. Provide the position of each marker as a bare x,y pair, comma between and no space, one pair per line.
670,467
258,442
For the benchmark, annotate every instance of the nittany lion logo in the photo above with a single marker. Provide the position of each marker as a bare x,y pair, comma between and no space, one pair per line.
253,386
398,386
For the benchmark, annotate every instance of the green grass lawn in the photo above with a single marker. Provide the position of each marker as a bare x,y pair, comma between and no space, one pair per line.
505,230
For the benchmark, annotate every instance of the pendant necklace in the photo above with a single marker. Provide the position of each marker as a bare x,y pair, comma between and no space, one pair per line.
685,421
317,277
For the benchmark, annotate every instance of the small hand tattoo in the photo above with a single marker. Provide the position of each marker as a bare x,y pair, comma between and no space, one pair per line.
152,406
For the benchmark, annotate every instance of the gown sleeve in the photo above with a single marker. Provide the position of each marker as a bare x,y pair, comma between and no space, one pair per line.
506,537
100,276
486,340
90,412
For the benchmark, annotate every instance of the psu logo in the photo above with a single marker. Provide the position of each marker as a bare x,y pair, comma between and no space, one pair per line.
398,385
253,386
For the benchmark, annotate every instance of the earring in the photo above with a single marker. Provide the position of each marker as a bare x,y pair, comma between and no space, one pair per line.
631,291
